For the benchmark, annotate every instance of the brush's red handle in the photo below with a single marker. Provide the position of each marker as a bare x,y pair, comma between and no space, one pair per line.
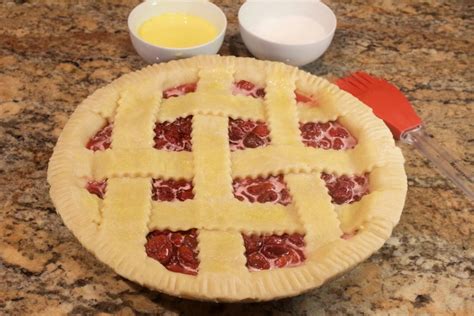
389,104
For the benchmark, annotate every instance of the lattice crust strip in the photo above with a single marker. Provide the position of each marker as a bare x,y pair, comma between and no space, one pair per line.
281,106
115,229
226,215
135,119
127,204
211,158
214,104
315,209
138,162
298,159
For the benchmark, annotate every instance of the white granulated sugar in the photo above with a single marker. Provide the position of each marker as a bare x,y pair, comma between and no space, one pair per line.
290,29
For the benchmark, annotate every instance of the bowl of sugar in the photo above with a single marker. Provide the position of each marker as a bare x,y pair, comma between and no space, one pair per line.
296,32
162,30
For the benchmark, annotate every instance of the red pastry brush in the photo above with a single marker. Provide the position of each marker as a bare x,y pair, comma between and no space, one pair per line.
389,104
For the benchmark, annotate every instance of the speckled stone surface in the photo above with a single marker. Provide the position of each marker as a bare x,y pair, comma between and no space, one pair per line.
55,53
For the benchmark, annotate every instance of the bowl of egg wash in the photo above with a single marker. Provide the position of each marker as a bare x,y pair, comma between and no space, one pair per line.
162,30
296,32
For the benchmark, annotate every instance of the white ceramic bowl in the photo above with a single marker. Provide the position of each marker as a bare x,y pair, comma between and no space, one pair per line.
150,8
252,12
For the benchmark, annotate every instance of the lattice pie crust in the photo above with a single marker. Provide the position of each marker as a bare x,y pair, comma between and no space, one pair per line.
115,228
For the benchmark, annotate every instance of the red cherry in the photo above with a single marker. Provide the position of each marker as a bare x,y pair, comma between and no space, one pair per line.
295,255
248,197
345,179
326,176
273,240
300,253
261,130
177,133
257,261
252,243
176,238
324,143
245,85
341,192
159,248
267,196
236,133
259,188
190,241
274,251
260,93
97,187
189,87
297,239
338,132
177,184
160,143
176,267
102,139
361,180
247,126
159,128
172,135
282,261
186,255
192,232
165,194
174,250
285,197
324,126
179,90
253,141
310,128
337,144
185,195
184,127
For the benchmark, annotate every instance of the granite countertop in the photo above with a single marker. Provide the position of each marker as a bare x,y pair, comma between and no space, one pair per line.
53,54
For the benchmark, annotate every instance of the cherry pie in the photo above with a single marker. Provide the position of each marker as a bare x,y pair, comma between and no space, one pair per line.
228,179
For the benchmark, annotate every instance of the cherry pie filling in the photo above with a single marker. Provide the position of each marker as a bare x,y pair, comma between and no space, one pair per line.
172,190
174,136
102,139
247,88
274,251
176,251
346,189
179,90
329,135
247,134
271,189
97,187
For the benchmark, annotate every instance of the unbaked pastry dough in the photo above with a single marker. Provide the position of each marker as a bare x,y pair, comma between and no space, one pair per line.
115,228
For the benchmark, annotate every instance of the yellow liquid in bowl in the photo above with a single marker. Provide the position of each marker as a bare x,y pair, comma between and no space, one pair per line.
177,30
